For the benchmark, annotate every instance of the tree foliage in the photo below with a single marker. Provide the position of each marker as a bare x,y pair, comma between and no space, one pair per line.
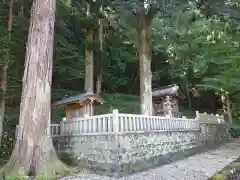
192,43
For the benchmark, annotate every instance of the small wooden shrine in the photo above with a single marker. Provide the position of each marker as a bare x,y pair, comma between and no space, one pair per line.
79,105
165,100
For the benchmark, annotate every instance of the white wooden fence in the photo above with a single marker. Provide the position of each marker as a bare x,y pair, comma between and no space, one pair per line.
55,129
122,123
119,123
210,118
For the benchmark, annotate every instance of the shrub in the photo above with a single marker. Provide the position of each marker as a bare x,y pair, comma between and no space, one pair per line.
7,145
67,158
235,131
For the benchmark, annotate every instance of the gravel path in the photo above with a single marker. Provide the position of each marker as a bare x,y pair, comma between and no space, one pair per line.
197,167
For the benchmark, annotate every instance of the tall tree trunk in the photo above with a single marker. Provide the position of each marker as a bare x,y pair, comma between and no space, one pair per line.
3,71
188,96
229,111
21,11
33,151
99,82
143,31
89,56
100,75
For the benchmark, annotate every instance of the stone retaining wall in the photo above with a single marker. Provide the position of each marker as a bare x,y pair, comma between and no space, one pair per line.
214,134
127,153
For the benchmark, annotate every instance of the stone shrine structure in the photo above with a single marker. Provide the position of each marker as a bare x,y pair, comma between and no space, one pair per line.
165,101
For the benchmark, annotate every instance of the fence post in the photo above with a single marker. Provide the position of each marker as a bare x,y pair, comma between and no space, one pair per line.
197,115
87,123
222,119
62,130
115,114
218,119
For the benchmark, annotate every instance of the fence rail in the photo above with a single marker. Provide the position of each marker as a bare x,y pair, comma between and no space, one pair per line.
129,123
124,123
210,118
91,124
55,129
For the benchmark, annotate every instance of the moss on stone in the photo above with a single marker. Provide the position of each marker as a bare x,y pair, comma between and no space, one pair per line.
227,171
217,177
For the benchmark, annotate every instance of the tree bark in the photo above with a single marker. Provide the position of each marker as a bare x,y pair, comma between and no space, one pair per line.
21,7
229,111
143,31
3,70
100,75
3,85
89,56
99,83
33,151
188,96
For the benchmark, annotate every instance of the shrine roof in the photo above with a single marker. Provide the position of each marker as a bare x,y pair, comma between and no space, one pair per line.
169,90
79,97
